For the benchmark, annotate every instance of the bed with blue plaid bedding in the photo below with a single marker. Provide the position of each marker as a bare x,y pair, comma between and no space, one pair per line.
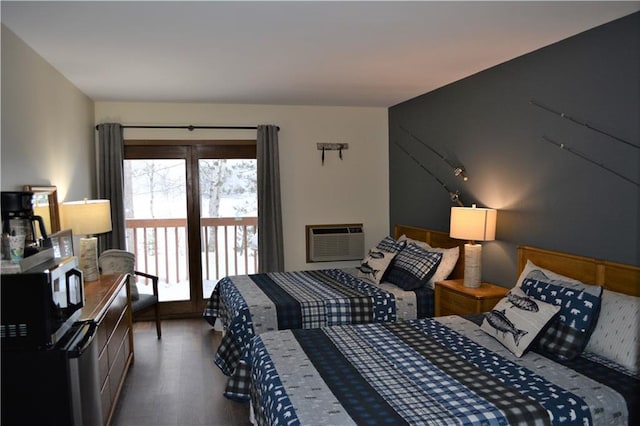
436,371
248,305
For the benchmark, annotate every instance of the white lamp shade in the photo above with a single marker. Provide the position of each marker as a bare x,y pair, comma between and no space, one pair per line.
473,223
88,217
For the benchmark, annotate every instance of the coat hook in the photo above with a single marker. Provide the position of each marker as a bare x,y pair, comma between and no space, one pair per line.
332,147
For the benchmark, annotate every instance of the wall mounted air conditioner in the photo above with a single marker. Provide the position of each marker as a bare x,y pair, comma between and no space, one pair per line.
328,243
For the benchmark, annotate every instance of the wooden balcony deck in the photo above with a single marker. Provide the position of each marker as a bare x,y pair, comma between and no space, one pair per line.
229,247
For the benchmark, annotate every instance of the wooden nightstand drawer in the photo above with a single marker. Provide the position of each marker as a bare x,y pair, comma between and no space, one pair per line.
456,304
453,298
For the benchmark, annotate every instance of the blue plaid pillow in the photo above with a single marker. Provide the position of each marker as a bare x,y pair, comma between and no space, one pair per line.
390,245
569,333
412,267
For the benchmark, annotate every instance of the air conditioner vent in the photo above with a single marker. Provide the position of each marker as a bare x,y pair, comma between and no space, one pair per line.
329,243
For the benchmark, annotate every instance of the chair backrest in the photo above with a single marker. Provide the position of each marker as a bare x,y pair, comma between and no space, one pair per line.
116,261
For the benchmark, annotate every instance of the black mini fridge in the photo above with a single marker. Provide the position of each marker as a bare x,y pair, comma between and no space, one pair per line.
53,386
49,358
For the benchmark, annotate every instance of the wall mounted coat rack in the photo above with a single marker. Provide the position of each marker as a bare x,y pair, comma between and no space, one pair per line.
332,147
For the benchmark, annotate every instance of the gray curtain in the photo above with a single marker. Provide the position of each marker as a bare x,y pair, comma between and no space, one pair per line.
270,245
111,182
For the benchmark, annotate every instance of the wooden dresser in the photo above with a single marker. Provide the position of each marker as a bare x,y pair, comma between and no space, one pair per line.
107,302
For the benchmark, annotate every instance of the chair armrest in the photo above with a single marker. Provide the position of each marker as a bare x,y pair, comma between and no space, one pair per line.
153,278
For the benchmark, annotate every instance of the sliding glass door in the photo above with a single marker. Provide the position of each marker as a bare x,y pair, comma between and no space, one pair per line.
191,216
228,219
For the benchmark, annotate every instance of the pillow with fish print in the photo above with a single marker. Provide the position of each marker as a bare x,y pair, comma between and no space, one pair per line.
375,264
579,304
517,320
419,243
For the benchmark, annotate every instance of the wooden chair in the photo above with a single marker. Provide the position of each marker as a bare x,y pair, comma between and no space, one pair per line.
115,261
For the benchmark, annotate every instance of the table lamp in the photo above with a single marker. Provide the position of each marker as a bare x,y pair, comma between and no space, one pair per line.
88,218
473,224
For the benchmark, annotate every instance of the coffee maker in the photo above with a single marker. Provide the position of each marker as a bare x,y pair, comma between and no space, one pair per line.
18,218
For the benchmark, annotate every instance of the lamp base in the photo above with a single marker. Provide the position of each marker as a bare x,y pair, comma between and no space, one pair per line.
88,262
472,265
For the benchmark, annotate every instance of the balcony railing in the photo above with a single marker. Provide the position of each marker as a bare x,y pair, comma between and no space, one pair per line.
229,247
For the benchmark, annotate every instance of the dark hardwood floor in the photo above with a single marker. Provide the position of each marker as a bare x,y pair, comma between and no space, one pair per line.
174,381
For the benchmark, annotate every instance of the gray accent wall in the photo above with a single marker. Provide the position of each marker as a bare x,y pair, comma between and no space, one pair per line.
546,196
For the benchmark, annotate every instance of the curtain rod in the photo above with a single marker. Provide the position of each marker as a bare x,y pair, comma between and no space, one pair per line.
191,127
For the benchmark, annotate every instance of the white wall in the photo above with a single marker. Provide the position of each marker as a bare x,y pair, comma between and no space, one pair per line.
47,125
48,138
354,190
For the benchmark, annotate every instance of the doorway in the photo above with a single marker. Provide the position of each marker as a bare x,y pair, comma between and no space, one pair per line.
191,216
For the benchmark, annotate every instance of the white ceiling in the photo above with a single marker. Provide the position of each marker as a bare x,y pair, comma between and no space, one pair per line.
358,53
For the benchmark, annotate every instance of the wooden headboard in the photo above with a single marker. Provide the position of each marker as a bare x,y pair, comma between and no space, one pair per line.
613,276
434,239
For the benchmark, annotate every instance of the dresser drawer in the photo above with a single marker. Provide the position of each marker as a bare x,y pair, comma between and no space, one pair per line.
114,312
102,336
116,338
105,397
103,366
118,366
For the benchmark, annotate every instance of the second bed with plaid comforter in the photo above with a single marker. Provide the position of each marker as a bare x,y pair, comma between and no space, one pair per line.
437,371
249,305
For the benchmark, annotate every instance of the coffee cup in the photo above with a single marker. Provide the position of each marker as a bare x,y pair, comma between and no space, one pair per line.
16,247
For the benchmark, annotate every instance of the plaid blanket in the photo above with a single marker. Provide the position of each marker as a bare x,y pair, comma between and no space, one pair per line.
417,372
249,305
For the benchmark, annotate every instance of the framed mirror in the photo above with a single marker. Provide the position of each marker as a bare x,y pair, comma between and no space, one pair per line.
45,204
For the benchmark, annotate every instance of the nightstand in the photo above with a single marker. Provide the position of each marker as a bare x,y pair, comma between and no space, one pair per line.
453,298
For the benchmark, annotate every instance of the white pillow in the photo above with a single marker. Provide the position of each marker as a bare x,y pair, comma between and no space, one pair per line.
449,259
531,270
517,320
530,266
617,334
